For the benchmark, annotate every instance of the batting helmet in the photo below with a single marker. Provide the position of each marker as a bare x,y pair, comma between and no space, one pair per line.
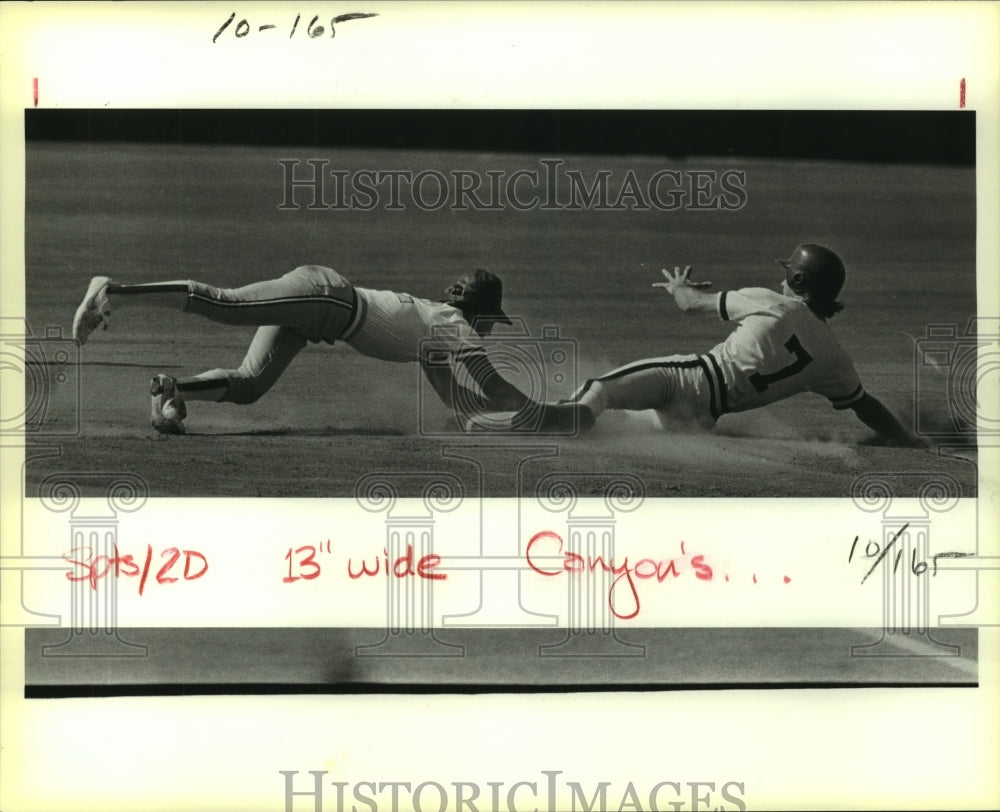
814,270
478,293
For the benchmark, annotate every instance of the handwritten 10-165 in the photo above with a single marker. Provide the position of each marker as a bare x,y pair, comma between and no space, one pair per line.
317,27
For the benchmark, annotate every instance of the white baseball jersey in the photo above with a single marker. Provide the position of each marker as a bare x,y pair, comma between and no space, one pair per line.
391,326
778,349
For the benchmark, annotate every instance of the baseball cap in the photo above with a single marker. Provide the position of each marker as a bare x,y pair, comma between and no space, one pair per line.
481,292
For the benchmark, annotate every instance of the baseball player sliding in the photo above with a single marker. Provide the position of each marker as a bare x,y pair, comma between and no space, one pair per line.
782,346
316,304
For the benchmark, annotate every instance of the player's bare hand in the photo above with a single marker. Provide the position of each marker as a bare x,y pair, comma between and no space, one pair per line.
680,276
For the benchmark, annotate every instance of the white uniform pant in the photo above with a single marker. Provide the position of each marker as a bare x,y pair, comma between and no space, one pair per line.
310,303
676,387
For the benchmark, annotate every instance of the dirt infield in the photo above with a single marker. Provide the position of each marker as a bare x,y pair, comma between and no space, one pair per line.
159,212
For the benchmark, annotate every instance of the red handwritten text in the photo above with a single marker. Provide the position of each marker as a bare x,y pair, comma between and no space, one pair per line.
403,567
546,556
92,568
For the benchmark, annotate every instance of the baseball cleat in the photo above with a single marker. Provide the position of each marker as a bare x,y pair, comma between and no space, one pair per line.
168,409
566,417
94,311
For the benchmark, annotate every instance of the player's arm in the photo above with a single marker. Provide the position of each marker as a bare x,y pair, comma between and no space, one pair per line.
496,393
500,394
879,419
689,295
442,380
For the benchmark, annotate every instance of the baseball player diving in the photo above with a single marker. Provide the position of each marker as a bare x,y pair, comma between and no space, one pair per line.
317,304
782,345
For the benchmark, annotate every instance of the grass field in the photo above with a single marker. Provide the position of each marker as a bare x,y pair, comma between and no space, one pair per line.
159,212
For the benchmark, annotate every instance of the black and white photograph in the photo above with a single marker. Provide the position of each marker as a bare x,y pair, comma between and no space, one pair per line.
607,388
722,303
516,327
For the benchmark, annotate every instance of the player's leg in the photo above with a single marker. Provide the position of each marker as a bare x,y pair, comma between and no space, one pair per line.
638,386
270,353
315,301
690,404
634,387
668,385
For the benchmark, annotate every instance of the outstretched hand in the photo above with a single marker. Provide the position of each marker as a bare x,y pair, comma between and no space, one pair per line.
680,277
